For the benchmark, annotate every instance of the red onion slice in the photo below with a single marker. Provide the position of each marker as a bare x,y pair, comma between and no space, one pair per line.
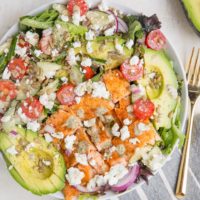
122,26
128,180
14,133
116,19
85,190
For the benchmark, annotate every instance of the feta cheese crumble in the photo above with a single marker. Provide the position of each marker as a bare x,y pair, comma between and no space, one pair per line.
48,138
69,142
71,58
49,129
97,181
33,126
74,176
134,60
125,134
90,122
37,52
48,100
127,122
89,47
140,128
89,35
99,90
86,62
81,158
119,48
77,44
116,173
32,38
129,44
115,130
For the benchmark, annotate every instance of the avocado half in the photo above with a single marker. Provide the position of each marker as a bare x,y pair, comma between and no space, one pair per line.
37,166
192,11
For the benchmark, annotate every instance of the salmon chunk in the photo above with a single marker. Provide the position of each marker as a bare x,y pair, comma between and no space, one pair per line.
100,136
116,85
91,107
64,121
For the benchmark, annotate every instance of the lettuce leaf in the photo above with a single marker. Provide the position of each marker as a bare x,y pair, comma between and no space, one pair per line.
170,136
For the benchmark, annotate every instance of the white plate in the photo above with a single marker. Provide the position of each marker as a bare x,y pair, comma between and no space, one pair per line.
170,51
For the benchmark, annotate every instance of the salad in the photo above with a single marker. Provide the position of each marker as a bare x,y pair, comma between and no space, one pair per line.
89,100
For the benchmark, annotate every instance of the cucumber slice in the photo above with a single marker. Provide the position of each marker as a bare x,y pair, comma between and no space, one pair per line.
48,67
76,77
98,18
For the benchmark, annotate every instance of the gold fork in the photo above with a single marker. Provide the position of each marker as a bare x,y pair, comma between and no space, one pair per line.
193,78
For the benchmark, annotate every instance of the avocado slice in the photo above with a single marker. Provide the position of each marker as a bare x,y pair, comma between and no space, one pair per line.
159,76
104,49
192,10
37,166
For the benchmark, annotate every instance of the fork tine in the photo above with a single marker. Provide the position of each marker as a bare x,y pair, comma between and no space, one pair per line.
190,67
196,72
187,66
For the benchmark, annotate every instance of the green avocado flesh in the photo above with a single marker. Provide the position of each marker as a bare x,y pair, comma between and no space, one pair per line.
193,12
37,166
104,49
158,65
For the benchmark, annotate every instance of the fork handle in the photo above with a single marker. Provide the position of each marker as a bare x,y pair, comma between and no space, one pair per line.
183,170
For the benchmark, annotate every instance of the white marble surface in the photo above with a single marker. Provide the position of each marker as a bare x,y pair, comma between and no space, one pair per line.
174,26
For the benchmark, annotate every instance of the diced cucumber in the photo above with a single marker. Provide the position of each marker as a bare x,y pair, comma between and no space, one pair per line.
48,67
76,77
98,18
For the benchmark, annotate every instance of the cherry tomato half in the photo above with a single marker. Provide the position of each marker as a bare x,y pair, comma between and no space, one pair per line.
7,90
32,108
66,95
88,72
22,42
143,109
80,3
131,72
156,40
17,68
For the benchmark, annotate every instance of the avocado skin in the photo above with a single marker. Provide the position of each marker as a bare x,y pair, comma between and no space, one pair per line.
44,184
186,12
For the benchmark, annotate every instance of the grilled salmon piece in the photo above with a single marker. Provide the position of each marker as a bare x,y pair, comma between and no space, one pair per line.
64,121
138,138
122,112
88,171
90,107
100,136
115,159
116,85
70,192
97,162
83,143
